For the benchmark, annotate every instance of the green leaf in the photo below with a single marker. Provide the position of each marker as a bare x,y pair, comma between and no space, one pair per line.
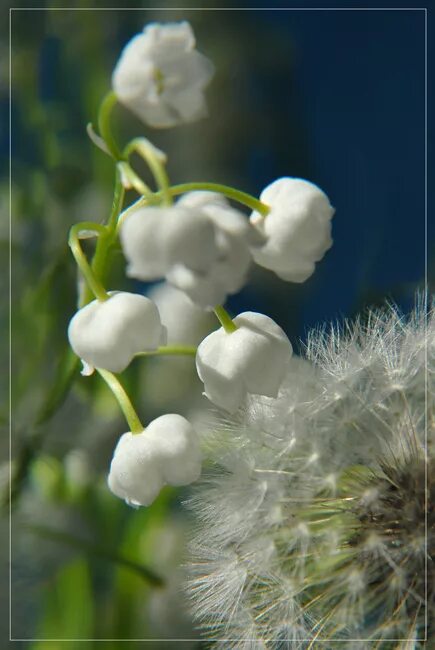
68,611
47,474
126,617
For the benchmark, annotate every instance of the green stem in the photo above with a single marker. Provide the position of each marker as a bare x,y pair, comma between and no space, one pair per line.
123,400
132,180
104,127
170,350
225,319
105,240
155,160
140,203
118,200
241,197
74,242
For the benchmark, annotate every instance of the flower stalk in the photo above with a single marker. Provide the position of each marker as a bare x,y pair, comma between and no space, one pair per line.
88,272
171,351
225,319
237,195
155,160
123,400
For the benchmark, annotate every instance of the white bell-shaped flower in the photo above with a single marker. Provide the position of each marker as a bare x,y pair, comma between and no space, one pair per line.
252,359
166,453
108,334
186,323
297,229
161,77
155,239
228,272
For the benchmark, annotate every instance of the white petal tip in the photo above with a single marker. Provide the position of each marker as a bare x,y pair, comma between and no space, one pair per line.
87,369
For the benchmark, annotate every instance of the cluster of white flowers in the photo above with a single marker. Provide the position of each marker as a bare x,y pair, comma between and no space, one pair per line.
202,246
310,516
310,521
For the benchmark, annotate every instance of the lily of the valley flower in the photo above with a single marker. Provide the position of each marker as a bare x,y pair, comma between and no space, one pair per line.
108,334
186,323
155,239
252,359
161,77
165,453
297,229
227,273
201,246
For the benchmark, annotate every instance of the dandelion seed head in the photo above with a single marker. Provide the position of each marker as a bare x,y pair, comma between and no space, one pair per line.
310,519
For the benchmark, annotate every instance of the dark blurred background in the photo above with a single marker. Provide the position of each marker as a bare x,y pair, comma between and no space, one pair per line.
336,97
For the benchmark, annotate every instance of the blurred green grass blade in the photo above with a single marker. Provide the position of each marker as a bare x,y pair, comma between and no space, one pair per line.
128,590
65,375
69,606
98,551
45,306
62,382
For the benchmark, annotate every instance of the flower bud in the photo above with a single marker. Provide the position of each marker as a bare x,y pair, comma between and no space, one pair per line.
160,76
165,453
297,228
252,359
108,334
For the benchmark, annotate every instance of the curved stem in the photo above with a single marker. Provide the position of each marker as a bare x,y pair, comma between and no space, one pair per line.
170,350
140,203
130,179
155,160
106,108
225,319
123,400
74,243
97,140
241,197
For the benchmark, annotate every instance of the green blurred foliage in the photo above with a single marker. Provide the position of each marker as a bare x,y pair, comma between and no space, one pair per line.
68,606
84,565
